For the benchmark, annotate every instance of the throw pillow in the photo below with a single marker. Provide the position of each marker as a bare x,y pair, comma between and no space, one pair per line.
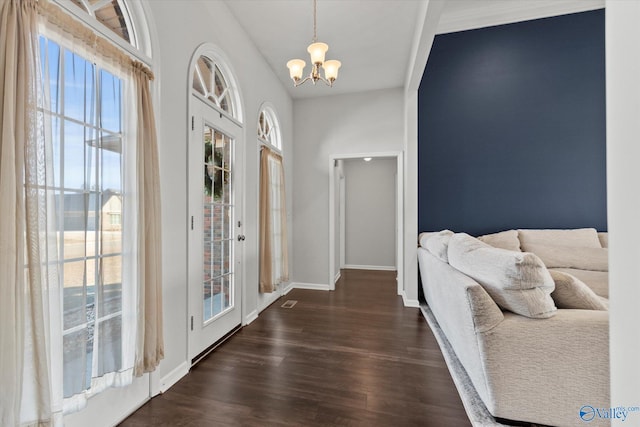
571,292
504,240
517,281
596,259
579,237
438,244
422,238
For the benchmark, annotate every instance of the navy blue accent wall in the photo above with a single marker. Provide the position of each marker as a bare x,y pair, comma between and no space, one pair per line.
512,127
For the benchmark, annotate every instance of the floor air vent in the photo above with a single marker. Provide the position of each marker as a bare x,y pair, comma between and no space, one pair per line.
289,304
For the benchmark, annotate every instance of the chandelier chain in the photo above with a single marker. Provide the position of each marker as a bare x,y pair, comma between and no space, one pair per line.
315,17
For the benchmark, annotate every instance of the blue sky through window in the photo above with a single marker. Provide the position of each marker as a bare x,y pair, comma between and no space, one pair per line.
87,145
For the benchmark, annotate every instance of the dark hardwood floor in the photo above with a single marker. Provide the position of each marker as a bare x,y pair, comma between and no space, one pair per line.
354,357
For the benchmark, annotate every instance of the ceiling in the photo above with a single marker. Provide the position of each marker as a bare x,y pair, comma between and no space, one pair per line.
372,38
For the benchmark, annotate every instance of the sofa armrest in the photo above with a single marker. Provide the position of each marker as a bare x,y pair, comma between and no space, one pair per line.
462,309
455,297
545,370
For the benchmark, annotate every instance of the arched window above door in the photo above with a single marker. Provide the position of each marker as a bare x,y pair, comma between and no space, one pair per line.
268,129
210,82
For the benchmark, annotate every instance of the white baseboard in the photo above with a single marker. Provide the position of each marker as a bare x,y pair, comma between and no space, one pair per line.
312,286
250,317
155,386
338,275
174,376
287,288
370,267
409,302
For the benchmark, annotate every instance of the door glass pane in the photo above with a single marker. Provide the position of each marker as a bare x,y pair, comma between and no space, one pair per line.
226,187
217,214
217,258
226,222
219,149
226,291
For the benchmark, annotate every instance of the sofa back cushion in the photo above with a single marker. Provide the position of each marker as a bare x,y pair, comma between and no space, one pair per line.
517,281
504,240
579,237
597,281
582,258
571,292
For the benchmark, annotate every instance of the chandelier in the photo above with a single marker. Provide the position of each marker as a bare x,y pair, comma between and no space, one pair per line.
317,51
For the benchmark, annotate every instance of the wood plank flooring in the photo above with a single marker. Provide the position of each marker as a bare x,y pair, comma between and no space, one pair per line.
352,357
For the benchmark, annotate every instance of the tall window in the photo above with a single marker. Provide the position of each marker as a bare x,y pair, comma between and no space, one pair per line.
273,217
85,113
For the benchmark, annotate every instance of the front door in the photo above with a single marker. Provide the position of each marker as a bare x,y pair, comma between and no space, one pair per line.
215,241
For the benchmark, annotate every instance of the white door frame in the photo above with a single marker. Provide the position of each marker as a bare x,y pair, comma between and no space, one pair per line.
343,220
398,155
217,54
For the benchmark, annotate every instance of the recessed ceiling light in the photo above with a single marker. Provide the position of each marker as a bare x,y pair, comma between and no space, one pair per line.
367,159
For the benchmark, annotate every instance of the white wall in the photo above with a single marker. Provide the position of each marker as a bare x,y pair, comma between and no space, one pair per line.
370,229
332,126
427,22
623,188
206,22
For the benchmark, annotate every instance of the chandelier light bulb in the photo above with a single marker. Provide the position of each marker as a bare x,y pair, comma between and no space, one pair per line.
331,69
317,51
296,68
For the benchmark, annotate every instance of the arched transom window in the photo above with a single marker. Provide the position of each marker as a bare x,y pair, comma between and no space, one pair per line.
210,82
113,14
268,131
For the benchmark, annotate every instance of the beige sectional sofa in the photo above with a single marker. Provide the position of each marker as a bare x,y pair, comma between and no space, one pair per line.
525,312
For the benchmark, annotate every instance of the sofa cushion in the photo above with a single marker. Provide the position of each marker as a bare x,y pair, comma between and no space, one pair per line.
437,244
422,238
504,240
517,281
604,239
579,237
555,256
571,292
598,281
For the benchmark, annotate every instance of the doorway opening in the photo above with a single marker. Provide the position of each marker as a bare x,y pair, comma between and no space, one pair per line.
365,214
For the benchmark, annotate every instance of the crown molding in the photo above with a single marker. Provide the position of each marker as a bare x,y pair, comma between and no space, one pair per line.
479,14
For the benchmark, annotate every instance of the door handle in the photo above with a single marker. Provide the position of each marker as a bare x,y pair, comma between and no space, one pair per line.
241,237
